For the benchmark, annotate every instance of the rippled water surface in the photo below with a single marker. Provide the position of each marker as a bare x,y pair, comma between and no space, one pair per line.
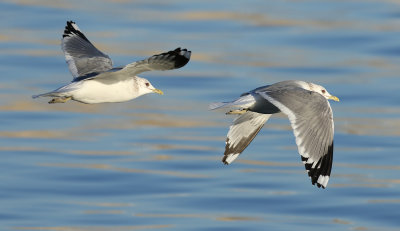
155,162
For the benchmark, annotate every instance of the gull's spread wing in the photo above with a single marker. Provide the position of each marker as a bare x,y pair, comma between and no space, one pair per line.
82,57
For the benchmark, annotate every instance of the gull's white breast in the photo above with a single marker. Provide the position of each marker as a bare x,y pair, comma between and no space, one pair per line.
93,91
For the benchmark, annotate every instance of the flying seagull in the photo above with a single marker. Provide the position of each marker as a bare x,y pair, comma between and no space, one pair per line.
96,81
306,104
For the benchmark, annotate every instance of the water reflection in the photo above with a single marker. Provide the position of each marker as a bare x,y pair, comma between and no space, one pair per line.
154,163
126,170
95,228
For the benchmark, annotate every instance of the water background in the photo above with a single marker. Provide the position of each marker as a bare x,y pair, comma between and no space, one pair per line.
154,163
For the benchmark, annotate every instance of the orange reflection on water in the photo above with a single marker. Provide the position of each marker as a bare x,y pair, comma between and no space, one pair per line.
127,170
94,228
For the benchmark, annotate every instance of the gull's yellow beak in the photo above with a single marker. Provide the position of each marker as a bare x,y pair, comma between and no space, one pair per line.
158,91
332,97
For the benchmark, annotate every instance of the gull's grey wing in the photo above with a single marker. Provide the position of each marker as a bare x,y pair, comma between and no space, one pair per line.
312,121
166,61
241,133
82,57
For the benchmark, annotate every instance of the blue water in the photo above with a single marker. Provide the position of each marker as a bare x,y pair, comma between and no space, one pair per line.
155,162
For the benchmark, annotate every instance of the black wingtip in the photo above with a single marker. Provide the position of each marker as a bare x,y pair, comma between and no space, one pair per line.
72,29
69,29
182,57
325,167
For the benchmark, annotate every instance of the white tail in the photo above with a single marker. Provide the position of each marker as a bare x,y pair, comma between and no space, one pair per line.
242,102
42,95
214,106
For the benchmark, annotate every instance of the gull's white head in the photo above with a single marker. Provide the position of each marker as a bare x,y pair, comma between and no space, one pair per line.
321,90
144,87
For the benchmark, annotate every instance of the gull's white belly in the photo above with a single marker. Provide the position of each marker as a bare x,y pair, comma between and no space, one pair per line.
92,91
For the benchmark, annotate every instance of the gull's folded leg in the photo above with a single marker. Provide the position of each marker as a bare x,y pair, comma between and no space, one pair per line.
237,112
60,100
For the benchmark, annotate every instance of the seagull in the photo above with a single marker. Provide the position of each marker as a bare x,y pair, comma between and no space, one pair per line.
96,81
310,114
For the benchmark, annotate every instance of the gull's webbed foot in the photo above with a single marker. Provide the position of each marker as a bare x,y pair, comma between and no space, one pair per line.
237,112
60,100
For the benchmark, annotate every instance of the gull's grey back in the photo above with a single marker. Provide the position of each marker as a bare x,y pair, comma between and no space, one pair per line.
282,85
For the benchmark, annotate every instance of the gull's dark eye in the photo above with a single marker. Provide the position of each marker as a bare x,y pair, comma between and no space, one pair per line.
147,84
323,91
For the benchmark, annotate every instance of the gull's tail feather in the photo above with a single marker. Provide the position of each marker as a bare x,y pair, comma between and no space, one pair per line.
48,94
214,106
244,101
56,93
64,91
